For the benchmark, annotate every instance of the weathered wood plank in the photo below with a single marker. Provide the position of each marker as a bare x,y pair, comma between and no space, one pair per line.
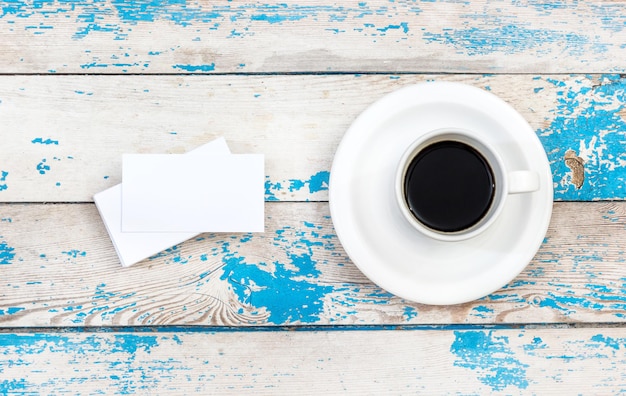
546,361
58,268
63,136
109,36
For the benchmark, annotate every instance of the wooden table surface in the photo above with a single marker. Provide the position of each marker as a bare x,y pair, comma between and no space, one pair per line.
286,311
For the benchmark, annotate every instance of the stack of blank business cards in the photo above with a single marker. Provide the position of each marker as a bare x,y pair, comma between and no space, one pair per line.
165,199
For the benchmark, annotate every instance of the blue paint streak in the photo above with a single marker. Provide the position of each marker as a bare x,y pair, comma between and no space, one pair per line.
92,65
509,39
111,17
482,311
6,253
196,68
491,357
568,304
47,141
404,26
277,18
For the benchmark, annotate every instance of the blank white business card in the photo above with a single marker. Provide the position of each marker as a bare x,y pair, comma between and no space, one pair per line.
193,193
136,246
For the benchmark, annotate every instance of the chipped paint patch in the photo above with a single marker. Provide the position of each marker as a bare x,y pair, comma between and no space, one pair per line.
6,253
609,342
172,255
409,313
482,311
11,311
16,386
43,167
577,166
588,119
46,141
74,253
316,183
535,345
271,189
265,285
3,178
491,357
285,289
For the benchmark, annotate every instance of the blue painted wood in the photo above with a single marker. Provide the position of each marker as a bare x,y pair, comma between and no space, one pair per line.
381,35
57,268
61,270
584,115
480,361
588,117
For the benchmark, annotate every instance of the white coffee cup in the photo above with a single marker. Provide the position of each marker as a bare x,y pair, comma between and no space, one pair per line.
457,184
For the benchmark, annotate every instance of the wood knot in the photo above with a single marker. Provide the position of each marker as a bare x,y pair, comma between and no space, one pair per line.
576,165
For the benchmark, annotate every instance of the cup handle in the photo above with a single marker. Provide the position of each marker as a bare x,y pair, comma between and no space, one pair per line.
523,182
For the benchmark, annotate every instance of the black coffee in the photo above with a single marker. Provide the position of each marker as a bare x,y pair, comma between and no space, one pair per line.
449,186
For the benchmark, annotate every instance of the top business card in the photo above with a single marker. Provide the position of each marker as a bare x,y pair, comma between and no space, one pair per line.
193,193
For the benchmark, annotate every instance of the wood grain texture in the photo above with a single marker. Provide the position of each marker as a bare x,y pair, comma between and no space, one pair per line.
63,136
83,81
60,269
112,36
552,361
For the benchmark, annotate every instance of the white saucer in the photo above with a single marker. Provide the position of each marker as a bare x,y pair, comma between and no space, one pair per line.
383,244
